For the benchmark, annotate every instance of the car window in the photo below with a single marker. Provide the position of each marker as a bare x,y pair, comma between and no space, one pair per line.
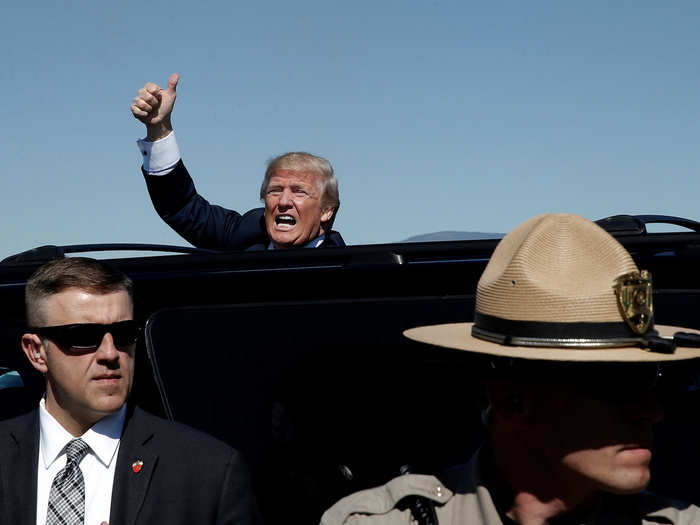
323,398
20,385
10,379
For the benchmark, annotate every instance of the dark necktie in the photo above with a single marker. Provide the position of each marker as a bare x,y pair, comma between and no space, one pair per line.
67,497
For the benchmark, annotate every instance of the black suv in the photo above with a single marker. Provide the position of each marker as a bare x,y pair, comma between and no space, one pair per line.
297,357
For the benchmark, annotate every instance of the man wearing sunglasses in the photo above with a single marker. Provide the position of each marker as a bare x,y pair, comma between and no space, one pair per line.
563,323
86,455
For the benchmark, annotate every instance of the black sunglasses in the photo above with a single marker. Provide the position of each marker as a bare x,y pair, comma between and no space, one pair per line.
609,382
621,385
88,336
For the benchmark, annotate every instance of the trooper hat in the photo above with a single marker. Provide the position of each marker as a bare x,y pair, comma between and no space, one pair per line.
560,288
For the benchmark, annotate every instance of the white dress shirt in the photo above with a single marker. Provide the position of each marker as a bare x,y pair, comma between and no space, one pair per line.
159,157
98,466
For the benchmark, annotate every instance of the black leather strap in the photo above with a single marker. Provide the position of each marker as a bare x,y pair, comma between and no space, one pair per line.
687,339
544,330
422,508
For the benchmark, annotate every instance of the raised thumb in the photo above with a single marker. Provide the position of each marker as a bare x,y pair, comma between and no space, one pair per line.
172,82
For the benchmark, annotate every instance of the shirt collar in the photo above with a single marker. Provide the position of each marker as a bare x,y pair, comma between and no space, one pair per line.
313,243
102,438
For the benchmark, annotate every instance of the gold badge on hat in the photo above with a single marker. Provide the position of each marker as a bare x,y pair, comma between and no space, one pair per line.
633,292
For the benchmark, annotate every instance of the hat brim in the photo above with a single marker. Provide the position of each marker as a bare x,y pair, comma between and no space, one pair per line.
459,336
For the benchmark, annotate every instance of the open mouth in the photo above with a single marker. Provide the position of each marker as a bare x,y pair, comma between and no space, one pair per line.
285,222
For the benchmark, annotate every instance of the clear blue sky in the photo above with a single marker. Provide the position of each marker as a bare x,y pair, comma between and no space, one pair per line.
437,115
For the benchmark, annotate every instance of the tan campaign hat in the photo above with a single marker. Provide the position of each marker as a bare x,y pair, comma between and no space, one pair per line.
561,288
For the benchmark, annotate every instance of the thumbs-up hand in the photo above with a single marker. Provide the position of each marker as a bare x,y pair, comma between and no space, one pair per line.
153,105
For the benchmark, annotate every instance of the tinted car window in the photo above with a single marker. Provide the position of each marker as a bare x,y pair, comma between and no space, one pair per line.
324,398
20,385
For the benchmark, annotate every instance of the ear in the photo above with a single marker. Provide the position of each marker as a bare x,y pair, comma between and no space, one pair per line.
327,214
35,351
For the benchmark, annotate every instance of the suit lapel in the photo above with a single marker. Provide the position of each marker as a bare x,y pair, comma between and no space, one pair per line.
136,463
19,456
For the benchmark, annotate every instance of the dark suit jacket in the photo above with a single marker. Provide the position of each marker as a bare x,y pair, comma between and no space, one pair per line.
187,477
206,225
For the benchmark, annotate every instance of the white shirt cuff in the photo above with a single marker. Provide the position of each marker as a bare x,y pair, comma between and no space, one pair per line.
159,157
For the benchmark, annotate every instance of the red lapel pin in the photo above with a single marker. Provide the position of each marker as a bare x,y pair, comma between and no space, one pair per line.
136,466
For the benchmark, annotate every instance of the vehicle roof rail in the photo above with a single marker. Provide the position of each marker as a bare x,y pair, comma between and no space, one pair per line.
50,251
668,219
41,253
636,224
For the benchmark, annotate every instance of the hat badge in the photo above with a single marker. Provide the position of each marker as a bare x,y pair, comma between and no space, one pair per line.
634,300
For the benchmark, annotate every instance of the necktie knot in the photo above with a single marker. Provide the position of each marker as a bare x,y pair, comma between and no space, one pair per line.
76,450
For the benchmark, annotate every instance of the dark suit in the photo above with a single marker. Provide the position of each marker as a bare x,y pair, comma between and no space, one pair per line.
187,477
206,225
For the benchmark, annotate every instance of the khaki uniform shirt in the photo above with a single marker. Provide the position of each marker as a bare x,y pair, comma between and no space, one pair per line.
468,501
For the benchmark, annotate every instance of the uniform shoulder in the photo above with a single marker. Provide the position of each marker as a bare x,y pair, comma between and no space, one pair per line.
671,511
382,503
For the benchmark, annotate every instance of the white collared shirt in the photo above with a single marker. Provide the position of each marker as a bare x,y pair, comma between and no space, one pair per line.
98,466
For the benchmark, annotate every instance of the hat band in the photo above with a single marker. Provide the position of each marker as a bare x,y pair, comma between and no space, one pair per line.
545,334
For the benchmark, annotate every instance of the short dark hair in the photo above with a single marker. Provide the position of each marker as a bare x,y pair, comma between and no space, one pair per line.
73,272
